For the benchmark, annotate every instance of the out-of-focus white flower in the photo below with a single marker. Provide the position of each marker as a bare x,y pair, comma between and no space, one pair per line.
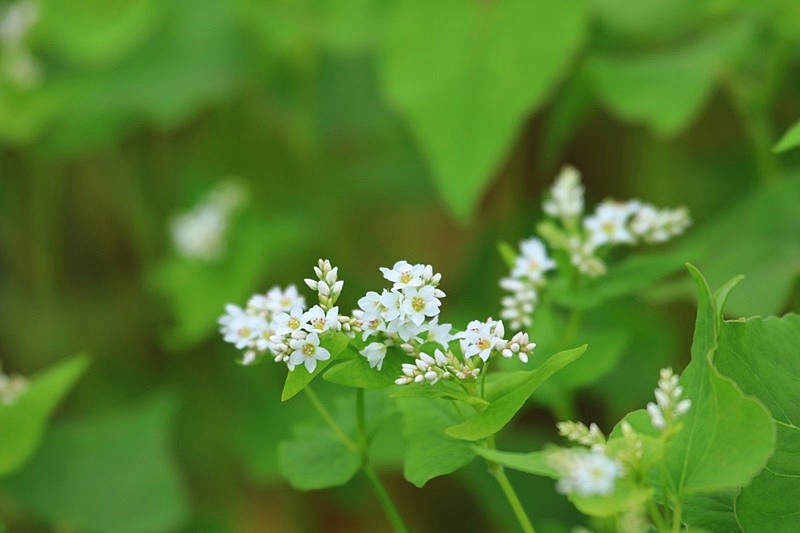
533,262
609,223
200,232
658,225
11,387
585,472
566,195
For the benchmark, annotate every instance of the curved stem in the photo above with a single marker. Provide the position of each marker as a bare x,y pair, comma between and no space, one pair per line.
508,490
395,519
326,416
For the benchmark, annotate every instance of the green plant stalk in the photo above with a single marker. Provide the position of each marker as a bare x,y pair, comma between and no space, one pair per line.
499,474
392,513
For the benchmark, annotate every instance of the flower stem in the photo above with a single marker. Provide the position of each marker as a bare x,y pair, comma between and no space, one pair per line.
326,416
499,474
395,519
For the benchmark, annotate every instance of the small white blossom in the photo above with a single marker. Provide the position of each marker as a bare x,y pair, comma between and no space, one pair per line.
375,353
585,472
318,320
307,352
609,224
658,225
419,303
403,274
480,338
287,323
11,387
533,262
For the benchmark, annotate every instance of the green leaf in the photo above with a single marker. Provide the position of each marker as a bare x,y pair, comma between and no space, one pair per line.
627,495
766,249
726,437
666,90
760,354
110,473
430,452
467,74
508,395
531,463
508,253
22,423
300,377
442,389
356,372
712,512
790,139
631,276
316,459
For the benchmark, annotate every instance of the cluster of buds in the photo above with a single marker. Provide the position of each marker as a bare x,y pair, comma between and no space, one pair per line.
668,406
590,436
327,285
200,233
584,239
441,366
11,387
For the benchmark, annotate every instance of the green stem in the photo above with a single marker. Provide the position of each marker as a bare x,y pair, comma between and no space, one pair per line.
500,475
676,516
395,519
655,515
326,416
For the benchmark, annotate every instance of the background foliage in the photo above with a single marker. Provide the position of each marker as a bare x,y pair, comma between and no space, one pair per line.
366,131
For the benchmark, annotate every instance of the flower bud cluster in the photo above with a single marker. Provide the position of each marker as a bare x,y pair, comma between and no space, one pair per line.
11,387
427,369
668,406
328,286
584,240
200,233
17,63
578,432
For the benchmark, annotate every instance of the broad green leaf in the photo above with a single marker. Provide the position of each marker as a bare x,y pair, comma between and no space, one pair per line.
530,463
430,452
506,400
712,512
300,377
356,372
23,422
766,249
626,495
665,89
316,459
790,139
95,33
630,276
110,473
726,437
467,74
760,354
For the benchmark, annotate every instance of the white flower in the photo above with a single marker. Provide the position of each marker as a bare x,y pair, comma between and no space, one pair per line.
307,351
438,333
375,352
287,323
404,274
16,20
481,337
371,305
419,303
609,224
659,225
566,195
317,320
11,387
198,234
405,329
533,262
585,473
243,329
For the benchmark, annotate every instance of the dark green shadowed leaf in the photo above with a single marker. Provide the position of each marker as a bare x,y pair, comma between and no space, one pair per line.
761,354
110,473
23,422
507,396
297,379
467,74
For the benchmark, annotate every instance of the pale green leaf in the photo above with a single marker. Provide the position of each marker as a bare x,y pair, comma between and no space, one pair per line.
22,423
356,371
790,139
531,463
316,459
467,74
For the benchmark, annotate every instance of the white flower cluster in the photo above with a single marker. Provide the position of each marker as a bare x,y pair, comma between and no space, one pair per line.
11,387
668,406
200,232
585,240
585,472
17,63
279,324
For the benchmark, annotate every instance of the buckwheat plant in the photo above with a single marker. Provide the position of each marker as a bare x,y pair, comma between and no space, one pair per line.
395,341
583,242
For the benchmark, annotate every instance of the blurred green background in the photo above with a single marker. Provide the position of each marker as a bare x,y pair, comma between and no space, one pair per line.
364,131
